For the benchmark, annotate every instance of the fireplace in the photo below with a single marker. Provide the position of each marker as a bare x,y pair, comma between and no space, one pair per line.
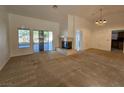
67,44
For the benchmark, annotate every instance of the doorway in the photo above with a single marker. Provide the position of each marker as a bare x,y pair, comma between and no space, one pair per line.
42,41
78,40
117,41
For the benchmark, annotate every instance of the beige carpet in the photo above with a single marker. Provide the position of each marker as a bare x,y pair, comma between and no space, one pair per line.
89,68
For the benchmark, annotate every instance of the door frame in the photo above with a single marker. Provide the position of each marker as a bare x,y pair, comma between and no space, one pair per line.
111,39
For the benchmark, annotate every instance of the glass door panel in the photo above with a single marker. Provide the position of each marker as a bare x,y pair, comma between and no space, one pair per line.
36,41
46,41
41,40
50,41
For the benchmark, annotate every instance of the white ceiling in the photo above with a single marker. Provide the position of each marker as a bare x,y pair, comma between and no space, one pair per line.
90,12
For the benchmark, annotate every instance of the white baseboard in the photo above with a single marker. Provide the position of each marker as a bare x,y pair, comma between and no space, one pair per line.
4,63
21,54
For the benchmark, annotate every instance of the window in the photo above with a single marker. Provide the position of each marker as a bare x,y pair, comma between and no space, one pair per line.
24,38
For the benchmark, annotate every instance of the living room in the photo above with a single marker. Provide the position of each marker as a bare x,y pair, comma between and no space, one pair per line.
67,39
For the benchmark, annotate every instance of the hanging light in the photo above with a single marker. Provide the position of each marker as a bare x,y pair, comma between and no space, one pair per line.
55,6
101,21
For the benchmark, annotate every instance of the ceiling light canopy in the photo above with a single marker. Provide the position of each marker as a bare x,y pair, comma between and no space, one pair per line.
55,6
101,20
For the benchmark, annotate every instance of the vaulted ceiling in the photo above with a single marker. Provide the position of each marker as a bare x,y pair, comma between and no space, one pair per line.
90,12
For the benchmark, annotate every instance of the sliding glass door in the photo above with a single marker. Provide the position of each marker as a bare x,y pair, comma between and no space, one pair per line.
42,41
48,41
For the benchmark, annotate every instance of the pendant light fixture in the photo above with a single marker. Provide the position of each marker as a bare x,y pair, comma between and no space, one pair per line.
101,20
55,6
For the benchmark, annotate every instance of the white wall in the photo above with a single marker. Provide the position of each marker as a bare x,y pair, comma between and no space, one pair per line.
101,35
63,28
16,21
71,26
83,25
4,49
101,39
